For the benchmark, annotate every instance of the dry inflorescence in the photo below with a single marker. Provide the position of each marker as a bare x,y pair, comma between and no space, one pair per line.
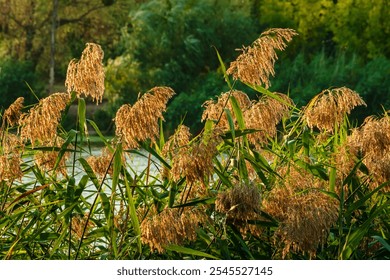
305,214
256,63
12,114
178,140
215,110
140,121
11,149
327,110
78,223
172,227
86,76
371,141
102,165
195,161
264,115
241,204
40,124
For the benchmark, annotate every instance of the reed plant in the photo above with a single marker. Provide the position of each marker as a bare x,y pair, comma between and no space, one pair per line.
264,179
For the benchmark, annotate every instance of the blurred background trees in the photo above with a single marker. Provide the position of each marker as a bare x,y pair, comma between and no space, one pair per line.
171,43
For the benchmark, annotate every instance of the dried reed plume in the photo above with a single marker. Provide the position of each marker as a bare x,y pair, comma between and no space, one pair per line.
78,224
214,110
140,121
171,226
86,76
195,161
10,157
40,124
371,141
241,204
102,164
178,140
12,114
326,110
264,115
47,159
304,213
256,63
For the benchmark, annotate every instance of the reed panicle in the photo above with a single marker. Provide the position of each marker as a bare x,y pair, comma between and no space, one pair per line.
195,161
11,149
241,204
86,76
140,121
304,213
12,115
256,63
371,141
264,115
171,226
101,164
47,159
214,110
40,124
178,140
327,110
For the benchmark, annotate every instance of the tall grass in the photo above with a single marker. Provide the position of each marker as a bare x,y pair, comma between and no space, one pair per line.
264,179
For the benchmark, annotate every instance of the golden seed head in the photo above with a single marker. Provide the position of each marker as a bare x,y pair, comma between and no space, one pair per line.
195,161
171,227
101,164
40,124
178,140
256,63
140,121
264,115
13,113
214,110
86,76
11,150
328,109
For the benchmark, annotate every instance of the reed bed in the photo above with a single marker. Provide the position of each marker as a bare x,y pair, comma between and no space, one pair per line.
262,180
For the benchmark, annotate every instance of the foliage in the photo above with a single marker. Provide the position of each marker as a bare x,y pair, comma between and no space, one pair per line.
15,79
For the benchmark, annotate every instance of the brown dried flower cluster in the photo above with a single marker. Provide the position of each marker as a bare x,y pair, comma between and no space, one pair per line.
327,110
256,63
178,140
10,157
12,114
215,110
102,164
86,76
47,159
171,227
371,141
40,124
195,161
140,121
264,115
78,224
304,213
241,204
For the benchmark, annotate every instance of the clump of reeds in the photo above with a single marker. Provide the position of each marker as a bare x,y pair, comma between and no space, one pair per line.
171,226
86,76
327,110
304,213
214,110
264,115
371,141
40,124
256,63
139,122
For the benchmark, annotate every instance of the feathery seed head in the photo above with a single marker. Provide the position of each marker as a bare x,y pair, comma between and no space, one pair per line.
86,76
140,121
256,63
41,122
101,164
11,149
13,113
328,108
